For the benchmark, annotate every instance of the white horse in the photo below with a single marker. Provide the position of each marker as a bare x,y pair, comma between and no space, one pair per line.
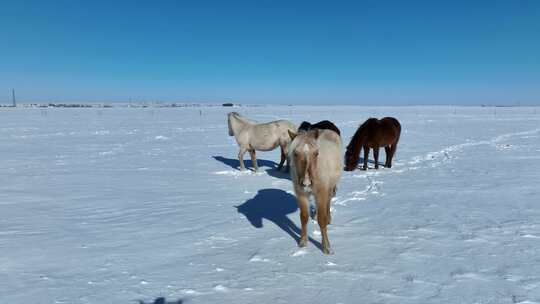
252,136
316,167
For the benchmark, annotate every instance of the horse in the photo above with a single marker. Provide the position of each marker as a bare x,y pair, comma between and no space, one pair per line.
373,133
324,124
315,157
252,136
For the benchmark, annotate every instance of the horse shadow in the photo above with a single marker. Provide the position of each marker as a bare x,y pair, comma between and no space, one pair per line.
272,171
162,300
235,163
273,205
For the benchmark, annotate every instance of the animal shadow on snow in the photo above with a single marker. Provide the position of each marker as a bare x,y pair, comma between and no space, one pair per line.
235,163
272,171
162,300
273,205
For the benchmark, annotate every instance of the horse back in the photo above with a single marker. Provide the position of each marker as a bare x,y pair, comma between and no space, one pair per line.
392,121
379,132
267,136
392,124
388,131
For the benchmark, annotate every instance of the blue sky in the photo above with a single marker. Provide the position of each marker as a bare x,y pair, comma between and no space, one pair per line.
285,52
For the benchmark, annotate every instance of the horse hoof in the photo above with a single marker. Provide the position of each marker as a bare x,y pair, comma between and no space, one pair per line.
327,251
302,243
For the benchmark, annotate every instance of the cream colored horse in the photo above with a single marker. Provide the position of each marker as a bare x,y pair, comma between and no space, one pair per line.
252,136
315,170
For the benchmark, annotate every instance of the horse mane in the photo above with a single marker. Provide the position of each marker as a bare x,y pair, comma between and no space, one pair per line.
305,126
357,141
238,117
327,125
323,125
242,118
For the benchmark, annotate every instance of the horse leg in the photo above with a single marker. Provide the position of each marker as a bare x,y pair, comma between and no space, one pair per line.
376,156
329,214
388,155
254,160
241,158
392,153
282,158
323,202
303,203
286,154
366,155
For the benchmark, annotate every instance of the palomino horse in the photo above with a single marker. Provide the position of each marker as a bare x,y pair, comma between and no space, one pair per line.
252,136
373,133
316,165
324,124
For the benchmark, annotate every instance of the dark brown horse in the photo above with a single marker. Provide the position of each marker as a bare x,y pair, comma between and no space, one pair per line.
324,125
373,133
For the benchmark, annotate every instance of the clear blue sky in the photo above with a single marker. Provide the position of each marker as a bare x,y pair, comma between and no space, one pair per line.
300,52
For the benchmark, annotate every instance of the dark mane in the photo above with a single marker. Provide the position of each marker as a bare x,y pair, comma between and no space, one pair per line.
324,125
305,126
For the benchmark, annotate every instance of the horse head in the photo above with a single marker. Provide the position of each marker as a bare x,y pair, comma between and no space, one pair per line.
351,160
352,155
304,155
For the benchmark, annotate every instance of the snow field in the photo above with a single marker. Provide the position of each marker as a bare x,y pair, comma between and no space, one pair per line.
125,205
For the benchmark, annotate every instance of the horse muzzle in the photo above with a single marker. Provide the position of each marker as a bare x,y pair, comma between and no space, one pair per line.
306,184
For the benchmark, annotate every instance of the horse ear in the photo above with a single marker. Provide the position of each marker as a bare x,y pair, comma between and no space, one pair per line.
292,135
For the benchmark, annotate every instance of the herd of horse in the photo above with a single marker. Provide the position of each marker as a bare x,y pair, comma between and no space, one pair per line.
313,156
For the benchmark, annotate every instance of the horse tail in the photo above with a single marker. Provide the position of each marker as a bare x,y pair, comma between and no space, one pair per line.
285,139
398,127
292,127
231,133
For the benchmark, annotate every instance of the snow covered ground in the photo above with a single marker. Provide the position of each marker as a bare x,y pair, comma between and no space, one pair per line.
131,205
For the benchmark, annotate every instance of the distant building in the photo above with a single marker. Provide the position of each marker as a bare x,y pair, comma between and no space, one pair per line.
228,104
